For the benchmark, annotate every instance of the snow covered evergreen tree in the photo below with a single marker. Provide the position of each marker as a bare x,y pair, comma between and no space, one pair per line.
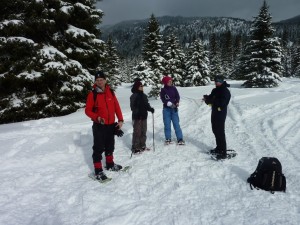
261,63
175,60
286,54
295,58
152,53
48,51
296,61
227,53
214,57
144,72
126,68
111,64
197,65
237,54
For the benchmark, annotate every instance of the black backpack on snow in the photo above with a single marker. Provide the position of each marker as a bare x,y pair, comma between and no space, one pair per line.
268,175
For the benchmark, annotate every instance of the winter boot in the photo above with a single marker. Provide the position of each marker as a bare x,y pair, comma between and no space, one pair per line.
145,148
101,176
221,155
136,151
168,141
214,151
181,142
113,166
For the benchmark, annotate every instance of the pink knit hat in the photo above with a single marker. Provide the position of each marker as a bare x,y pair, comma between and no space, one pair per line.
165,80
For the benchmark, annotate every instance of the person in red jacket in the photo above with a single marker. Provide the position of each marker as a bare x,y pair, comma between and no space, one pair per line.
102,106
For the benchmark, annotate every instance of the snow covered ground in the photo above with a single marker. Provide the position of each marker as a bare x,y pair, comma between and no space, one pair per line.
45,163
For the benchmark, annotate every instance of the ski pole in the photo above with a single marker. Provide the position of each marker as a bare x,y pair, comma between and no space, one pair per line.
153,131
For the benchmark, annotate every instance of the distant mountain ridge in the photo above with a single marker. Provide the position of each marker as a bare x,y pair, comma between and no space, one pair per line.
293,20
128,35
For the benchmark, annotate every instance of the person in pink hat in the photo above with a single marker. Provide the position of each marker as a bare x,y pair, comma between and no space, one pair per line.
170,98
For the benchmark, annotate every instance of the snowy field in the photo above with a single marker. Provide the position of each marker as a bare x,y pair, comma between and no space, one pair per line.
45,163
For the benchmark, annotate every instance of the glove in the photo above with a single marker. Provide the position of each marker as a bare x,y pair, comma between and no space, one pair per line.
207,100
152,110
118,131
169,104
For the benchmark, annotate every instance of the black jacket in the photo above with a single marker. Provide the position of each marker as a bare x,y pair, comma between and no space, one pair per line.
139,105
219,99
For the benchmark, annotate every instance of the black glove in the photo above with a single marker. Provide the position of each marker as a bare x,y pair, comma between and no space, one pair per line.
152,110
118,131
207,100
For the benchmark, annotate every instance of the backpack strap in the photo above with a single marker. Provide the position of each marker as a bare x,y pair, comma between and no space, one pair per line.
251,186
94,97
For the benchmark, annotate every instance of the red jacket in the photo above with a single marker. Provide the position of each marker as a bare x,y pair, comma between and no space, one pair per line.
106,106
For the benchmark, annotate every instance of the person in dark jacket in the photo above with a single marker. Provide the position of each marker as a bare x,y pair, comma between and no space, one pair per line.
219,99
102,110
139,106
170,98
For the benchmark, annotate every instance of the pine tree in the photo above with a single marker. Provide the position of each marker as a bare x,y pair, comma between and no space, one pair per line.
214,57
126,68
237,55
144,72
111,65
296,61
175,60
152,53
48,51
295,58
237,47
197,65
227,53
262,60
286,54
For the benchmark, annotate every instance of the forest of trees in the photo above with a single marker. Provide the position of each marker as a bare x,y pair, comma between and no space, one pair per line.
50,50
226,42
261,60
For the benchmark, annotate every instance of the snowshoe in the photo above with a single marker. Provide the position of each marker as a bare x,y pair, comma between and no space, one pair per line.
230,154
113,167
215,151
100,177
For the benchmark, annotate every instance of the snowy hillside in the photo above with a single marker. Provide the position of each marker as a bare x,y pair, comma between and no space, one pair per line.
45,163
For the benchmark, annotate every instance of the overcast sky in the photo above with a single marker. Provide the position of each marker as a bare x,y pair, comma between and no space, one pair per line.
119,10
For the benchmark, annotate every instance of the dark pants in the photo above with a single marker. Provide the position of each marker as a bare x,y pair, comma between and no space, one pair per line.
139,134
104,141
218,128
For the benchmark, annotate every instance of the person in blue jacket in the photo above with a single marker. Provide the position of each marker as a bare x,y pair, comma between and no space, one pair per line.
219,99
170,98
